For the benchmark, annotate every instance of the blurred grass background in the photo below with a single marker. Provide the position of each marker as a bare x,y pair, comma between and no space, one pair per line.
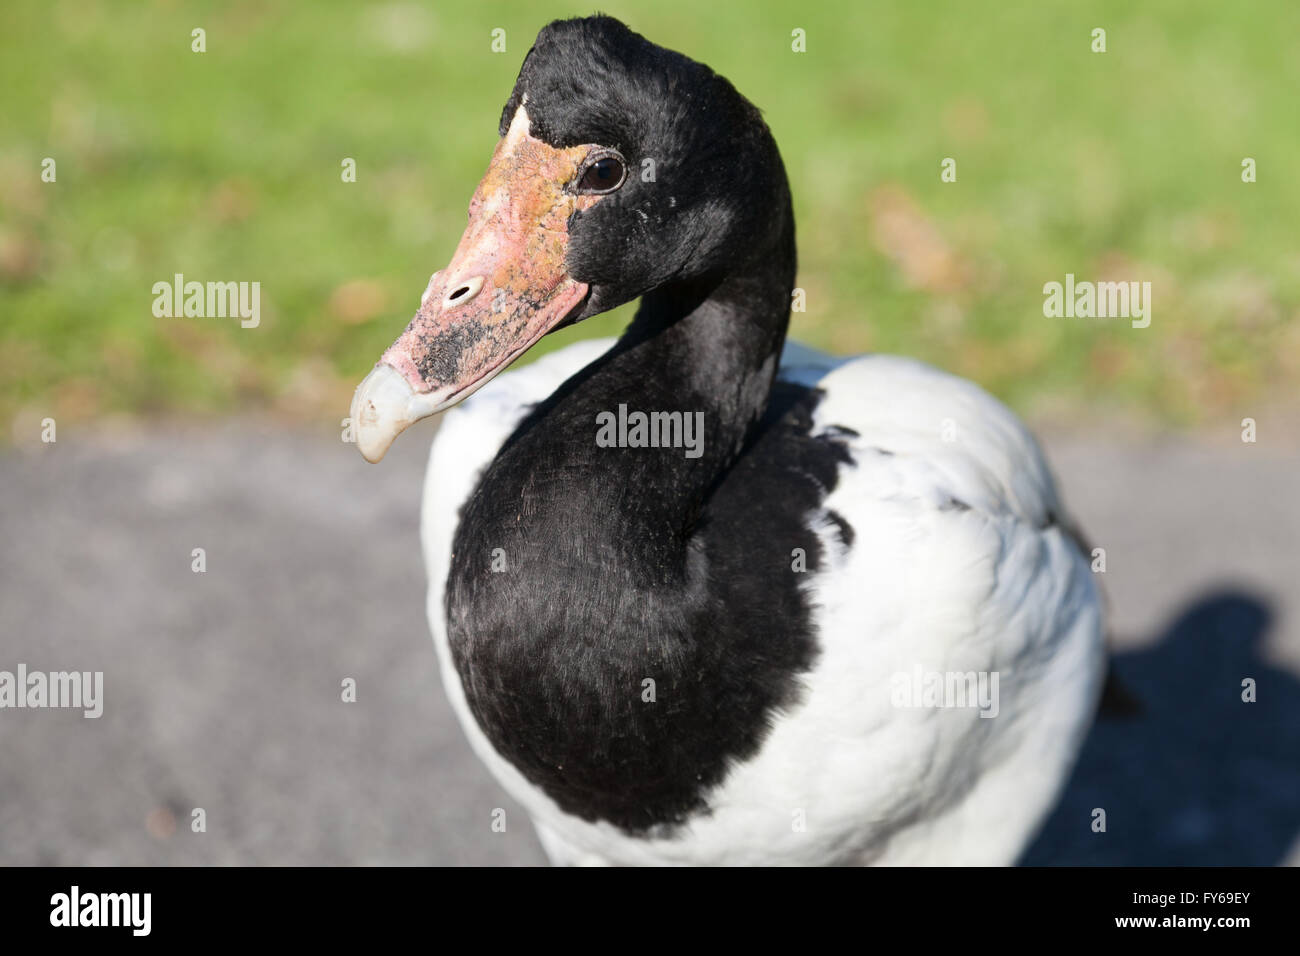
225,165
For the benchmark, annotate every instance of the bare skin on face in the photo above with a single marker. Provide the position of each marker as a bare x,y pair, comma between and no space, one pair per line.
515,244
506,286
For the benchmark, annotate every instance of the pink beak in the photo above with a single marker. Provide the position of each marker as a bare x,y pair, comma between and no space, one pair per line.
505,287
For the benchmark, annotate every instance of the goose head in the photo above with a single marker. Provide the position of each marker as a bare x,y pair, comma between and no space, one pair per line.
622,168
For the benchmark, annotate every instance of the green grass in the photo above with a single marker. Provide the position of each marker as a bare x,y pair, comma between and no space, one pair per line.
226,165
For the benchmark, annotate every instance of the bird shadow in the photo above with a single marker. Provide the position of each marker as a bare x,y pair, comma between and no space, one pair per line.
1198,777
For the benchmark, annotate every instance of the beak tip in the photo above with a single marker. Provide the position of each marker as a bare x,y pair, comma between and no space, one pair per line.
373,452
380,411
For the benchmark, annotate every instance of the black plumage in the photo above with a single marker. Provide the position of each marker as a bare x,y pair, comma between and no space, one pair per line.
635,564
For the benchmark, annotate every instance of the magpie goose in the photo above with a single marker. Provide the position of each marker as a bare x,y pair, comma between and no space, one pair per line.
844,622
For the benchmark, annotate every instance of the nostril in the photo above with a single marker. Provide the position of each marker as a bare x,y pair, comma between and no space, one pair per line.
463,292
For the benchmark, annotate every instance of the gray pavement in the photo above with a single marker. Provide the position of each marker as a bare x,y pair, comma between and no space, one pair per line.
223,689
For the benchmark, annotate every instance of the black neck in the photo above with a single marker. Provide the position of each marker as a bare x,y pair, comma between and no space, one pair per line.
580,571
712,346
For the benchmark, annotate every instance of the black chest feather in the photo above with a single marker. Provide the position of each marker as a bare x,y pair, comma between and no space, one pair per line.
622,689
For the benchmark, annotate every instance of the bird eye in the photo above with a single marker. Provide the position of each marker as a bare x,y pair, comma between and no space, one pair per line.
604,175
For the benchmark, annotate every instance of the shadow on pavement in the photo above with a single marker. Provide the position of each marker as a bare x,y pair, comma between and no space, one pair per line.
1198,777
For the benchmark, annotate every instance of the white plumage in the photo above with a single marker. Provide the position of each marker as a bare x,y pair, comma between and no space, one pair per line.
959,564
